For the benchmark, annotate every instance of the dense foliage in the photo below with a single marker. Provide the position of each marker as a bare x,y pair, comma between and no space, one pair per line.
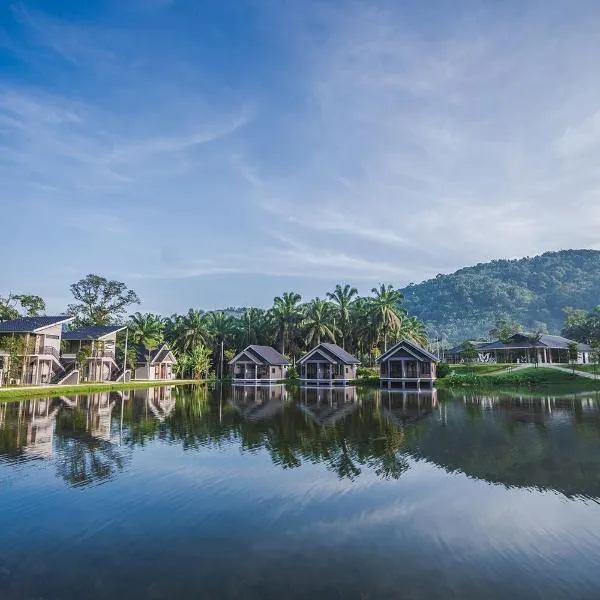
531,291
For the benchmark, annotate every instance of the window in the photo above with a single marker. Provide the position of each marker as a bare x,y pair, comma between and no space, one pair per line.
272,369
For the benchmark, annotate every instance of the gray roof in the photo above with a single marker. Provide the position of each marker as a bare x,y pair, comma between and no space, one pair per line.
31,324
458,349
523,340
337,354
263,354
425,355
93,332
142,353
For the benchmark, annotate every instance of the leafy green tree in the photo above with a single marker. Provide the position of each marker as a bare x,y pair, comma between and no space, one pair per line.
318,322
146,329
504,329
200,361
468,351
343,297
99,301
386,311
30,306
573,349
286,314
191,330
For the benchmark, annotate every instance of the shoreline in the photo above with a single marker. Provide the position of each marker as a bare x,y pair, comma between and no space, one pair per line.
7,394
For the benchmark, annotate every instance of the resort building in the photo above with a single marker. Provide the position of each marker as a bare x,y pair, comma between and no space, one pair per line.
328,364
258,364
95,348
407,365
526,348
154,364
33,346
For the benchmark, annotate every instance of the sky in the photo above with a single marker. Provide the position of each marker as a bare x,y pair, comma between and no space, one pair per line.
215,153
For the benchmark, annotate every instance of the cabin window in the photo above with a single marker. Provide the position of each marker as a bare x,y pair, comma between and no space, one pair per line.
272,369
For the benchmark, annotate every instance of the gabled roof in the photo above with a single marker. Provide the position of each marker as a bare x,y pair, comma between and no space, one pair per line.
263,355
412,348
32,324
158,354
334,352
94,332
523,340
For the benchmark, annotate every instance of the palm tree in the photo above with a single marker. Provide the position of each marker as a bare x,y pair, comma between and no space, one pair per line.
146,329
221,328
191,330
386,310
318,322
285,315
250,325
343,297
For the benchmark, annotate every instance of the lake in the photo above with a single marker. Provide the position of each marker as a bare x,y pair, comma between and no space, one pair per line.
268,493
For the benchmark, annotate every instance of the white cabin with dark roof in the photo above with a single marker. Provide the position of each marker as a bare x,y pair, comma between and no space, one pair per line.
95,347
407,366
258,364
328,364
33,343
154,364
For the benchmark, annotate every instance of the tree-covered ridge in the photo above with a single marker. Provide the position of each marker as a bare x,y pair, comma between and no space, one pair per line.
531,291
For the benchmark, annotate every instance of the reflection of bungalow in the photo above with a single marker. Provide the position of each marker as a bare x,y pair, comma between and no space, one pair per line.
258,364
326,406
97,343
258,403
406,408
34,342
524,348
160,400
407,365
154,364
328,364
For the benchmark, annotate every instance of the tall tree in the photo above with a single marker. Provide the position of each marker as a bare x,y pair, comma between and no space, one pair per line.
286,314
386,310
318,322
146,329
16,305
221,328
191,331
99,301
343,297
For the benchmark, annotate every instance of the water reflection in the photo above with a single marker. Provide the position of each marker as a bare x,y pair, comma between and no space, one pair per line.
538,442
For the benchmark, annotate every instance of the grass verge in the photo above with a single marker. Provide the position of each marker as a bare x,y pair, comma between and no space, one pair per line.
11,393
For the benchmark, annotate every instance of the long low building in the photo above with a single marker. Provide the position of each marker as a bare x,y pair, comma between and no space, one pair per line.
525,348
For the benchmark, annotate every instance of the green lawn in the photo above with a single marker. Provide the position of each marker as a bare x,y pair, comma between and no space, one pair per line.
533,377
11,393
587,368
480,368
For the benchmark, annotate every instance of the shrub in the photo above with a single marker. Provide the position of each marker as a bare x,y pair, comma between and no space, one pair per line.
443,370
292,373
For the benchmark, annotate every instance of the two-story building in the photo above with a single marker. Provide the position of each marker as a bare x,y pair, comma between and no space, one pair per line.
92,350
30,349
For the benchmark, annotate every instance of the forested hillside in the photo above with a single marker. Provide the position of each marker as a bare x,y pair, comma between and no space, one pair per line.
531,291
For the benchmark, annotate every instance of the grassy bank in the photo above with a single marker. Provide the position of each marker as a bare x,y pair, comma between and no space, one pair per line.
534,377
11,393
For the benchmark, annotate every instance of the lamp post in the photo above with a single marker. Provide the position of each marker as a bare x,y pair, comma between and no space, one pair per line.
125,354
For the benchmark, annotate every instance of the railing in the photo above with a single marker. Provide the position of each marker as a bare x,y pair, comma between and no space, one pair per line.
48,350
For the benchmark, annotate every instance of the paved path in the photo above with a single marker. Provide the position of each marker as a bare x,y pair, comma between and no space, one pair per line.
568,370
574,371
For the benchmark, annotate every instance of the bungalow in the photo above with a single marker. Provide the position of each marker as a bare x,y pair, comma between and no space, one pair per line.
407,365
258,364
529,348
328,364
33,345
95,347
154,364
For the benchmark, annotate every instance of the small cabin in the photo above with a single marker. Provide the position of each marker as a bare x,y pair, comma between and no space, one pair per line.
154,364
258,364
407,366
328,364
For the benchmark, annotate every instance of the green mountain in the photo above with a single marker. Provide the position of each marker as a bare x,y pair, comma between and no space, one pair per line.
530,291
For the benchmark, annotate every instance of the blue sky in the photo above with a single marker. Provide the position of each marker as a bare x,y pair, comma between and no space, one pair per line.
217,153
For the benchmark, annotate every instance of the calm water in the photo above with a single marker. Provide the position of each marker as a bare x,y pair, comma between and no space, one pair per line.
196,493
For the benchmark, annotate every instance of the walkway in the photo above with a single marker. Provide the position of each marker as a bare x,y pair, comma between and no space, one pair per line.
556,367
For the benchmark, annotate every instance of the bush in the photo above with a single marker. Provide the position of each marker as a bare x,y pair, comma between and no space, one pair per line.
367,373
443,370
292,373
